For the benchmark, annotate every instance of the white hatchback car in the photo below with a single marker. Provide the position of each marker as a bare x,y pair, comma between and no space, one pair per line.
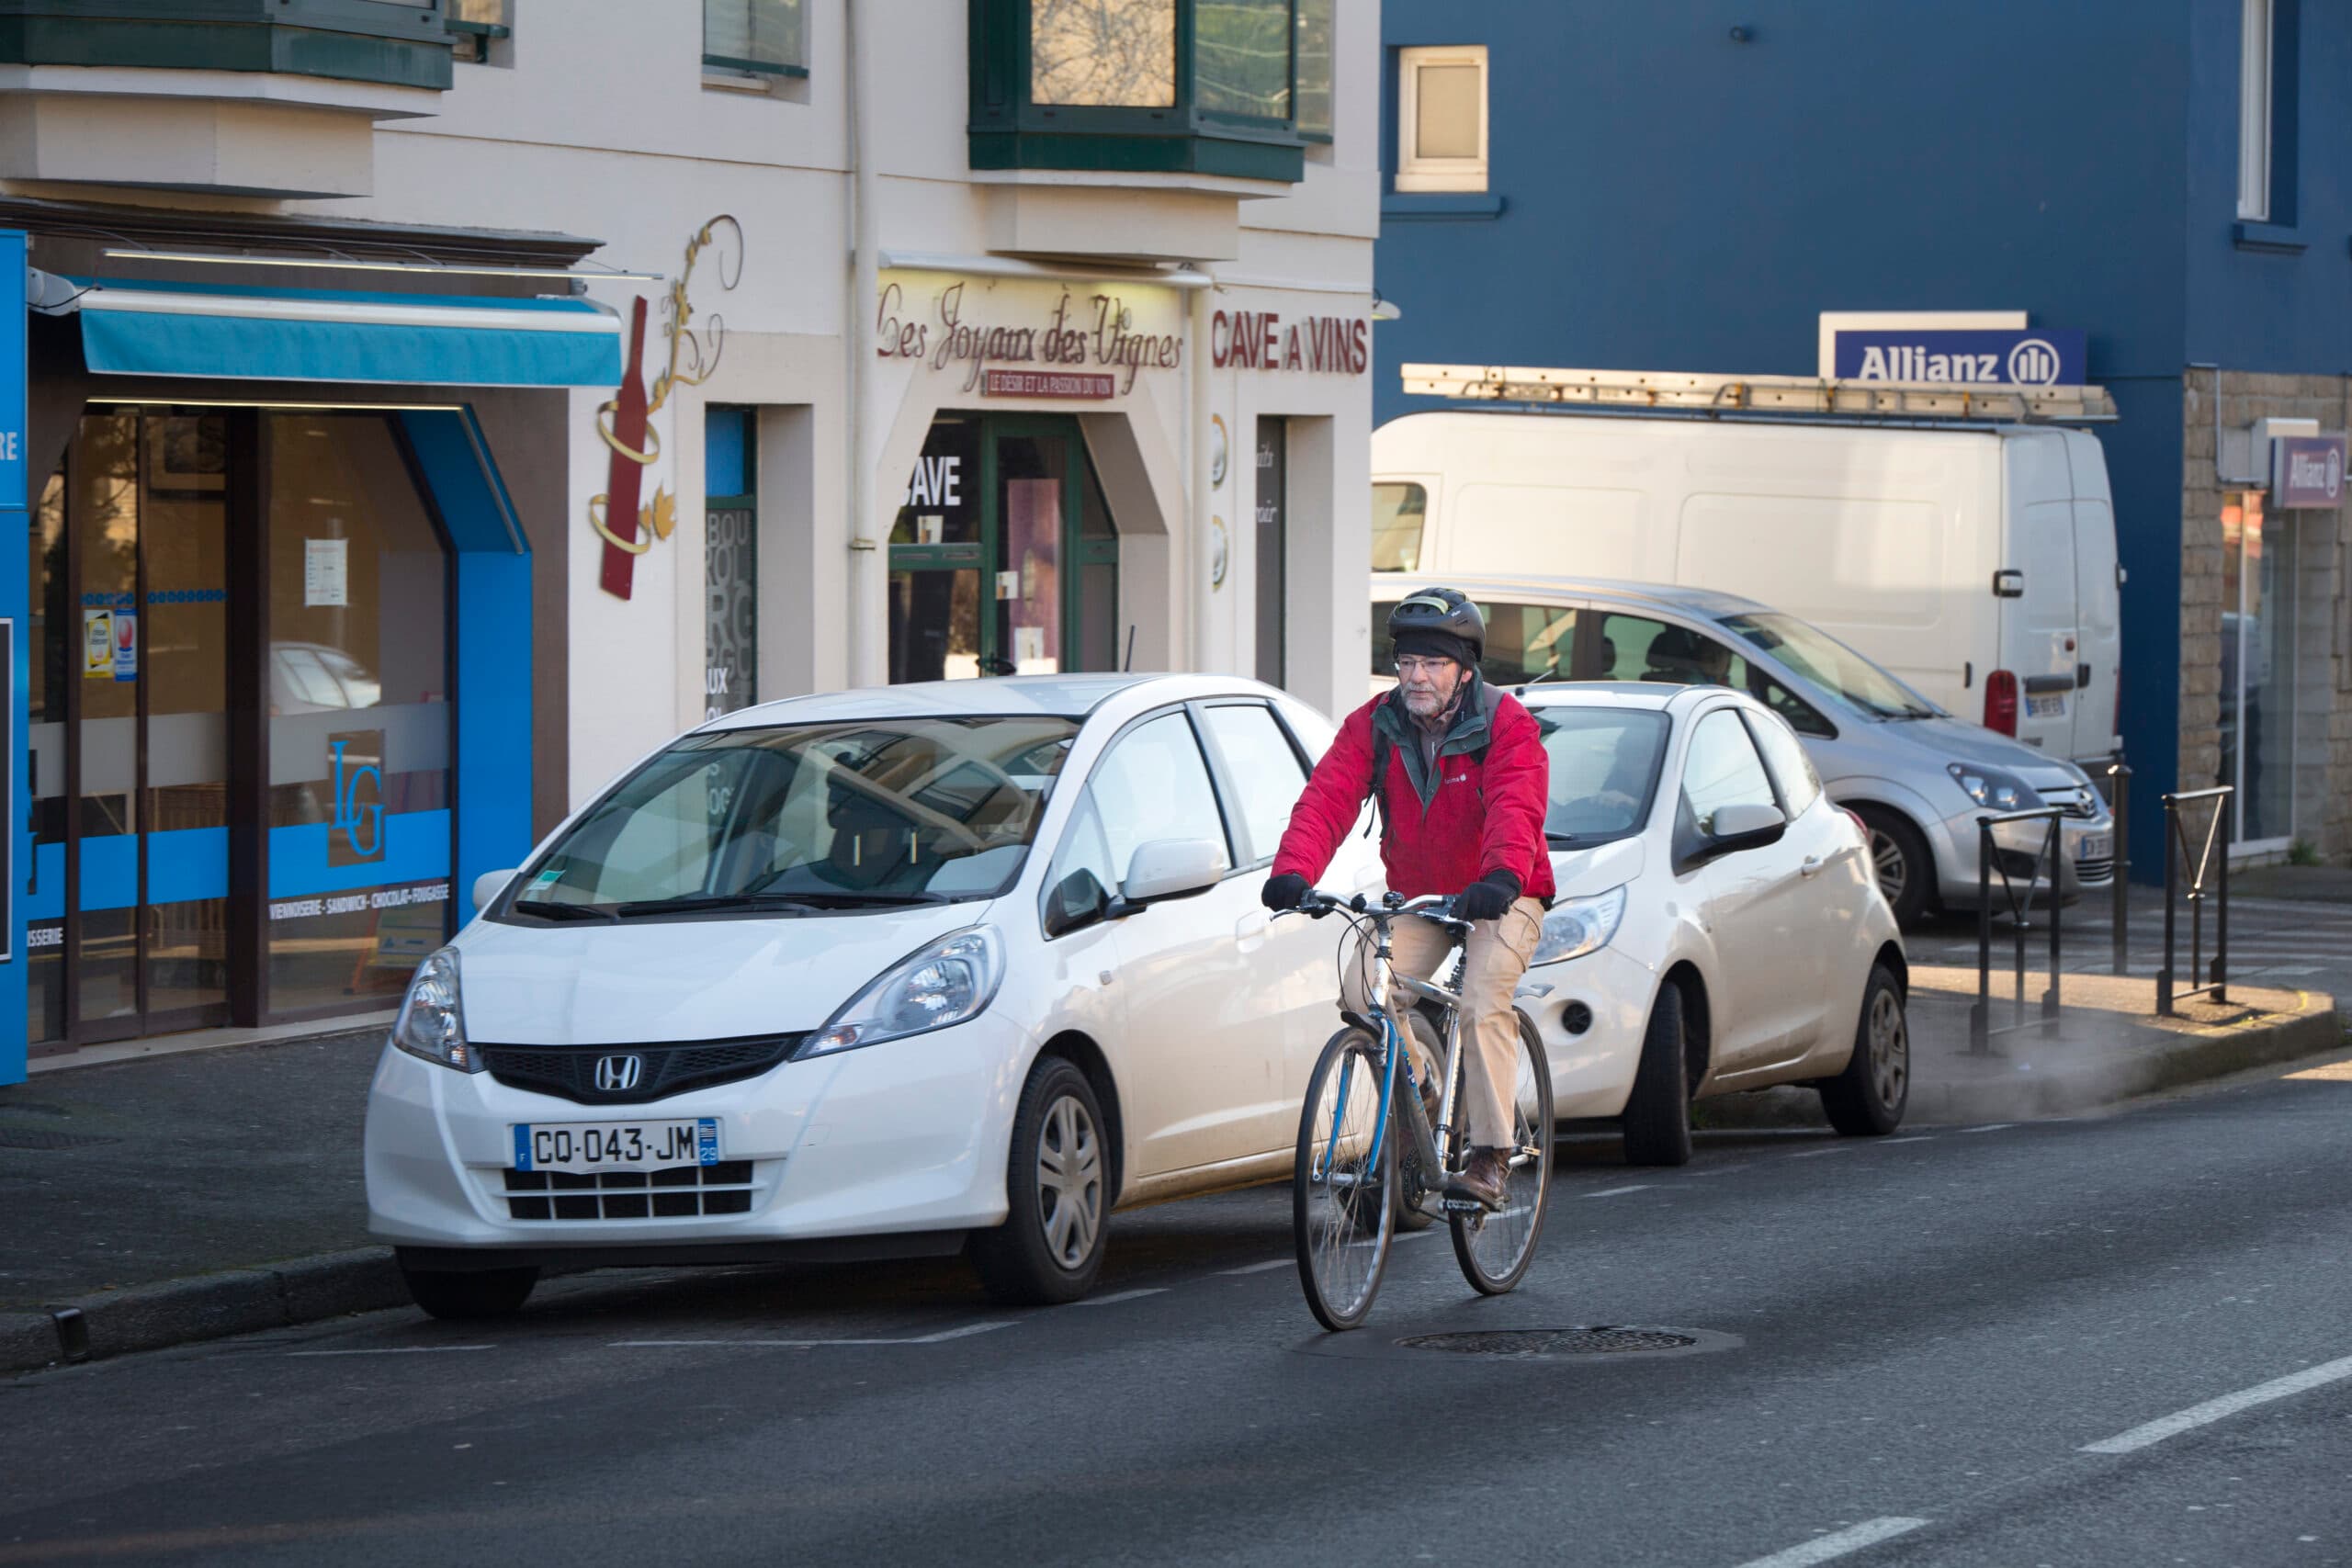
1718,927
881,973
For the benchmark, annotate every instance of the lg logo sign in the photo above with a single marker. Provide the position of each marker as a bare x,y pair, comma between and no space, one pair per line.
2033,363
356,831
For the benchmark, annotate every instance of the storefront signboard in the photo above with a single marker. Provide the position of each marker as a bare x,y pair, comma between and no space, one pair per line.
1262,340
2027,356
2307,472
1073,338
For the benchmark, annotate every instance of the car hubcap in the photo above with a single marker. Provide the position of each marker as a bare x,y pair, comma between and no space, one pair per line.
1890,1049
1069,1182
1886,859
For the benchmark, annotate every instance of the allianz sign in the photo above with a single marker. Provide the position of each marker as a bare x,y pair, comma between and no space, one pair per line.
2041,357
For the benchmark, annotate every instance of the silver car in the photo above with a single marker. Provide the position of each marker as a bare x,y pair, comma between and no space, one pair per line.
1917,777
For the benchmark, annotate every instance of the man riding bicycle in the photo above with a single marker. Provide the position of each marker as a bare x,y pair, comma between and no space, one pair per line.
1462,783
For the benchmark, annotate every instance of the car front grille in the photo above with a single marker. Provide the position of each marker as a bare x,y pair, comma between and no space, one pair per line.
680,1192
2078,801
570,1071
2094,872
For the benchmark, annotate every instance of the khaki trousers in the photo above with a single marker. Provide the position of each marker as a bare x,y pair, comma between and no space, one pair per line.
1496,955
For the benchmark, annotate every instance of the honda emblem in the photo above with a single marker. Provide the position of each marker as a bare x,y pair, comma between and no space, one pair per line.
618,1074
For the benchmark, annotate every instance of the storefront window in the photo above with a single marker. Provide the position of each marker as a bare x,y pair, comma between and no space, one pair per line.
730,562
359,732
1118,53
49,641
2258,718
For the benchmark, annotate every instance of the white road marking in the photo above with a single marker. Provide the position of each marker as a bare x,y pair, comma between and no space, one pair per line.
1828,1548
1260,1268
1915,1138
1817,1154
395,1350
1721,1170
1615,1191
1989,1127
2227,1404
940,1337
1115,1297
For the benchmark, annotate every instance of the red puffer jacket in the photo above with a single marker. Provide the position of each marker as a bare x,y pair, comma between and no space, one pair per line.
1483,812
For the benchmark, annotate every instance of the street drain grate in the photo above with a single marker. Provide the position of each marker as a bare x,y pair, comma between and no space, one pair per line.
42,1138
1554,1341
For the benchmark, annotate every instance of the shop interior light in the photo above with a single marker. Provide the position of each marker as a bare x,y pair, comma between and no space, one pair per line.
353,264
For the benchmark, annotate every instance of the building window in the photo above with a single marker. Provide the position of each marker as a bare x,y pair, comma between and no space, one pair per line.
1233,88
759,38
2253,110
1442,120
477,28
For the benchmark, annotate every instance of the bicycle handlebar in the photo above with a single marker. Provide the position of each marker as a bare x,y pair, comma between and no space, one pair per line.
1436,908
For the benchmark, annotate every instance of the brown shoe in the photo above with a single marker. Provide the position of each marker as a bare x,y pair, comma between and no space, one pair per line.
1485,1179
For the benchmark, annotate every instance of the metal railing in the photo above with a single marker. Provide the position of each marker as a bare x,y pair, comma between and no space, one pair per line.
1990,861
2119,805
2209,863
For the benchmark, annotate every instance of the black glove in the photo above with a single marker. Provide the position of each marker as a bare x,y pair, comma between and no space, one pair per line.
1486,898
1285,891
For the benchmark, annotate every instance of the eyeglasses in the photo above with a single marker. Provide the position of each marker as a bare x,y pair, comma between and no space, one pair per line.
1414,664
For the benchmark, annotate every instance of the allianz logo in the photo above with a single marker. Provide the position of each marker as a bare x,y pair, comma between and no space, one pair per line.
2030,363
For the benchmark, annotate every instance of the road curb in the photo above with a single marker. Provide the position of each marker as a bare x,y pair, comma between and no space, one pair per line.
2191,1056
207,1306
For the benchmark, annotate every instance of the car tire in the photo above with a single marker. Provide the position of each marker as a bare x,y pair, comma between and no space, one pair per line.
1057,1195
464,1296
1866,1100
1658,1113
1904,868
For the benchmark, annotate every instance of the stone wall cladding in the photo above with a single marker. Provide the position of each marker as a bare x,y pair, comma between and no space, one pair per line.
2322,702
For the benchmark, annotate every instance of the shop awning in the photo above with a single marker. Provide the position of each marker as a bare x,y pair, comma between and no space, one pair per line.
319,334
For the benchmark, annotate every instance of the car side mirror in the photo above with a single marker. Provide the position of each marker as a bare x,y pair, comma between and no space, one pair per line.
1743,827
1078,900
1172,868
489,885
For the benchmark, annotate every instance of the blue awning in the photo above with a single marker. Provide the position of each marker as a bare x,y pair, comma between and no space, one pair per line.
321,334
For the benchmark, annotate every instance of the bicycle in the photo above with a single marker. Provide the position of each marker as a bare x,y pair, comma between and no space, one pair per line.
1366,1151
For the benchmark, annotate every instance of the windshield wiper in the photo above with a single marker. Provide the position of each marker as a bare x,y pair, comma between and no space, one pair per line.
1572,841
693,903
844,898
548,910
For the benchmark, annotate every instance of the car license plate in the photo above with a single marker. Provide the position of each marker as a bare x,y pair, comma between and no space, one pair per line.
2046,708
2096,846
616,1146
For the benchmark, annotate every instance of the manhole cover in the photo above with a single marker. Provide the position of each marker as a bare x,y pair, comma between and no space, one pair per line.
42,1138
1554,1341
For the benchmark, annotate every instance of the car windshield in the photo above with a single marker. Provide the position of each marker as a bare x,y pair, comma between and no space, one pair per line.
1604,771
1828,663
862,814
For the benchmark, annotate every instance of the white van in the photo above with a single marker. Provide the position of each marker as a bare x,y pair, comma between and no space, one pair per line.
1976,560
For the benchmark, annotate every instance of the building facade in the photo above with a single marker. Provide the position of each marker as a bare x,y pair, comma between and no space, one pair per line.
1646,187
435,404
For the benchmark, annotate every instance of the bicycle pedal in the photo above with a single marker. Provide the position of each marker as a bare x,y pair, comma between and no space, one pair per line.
1464,1206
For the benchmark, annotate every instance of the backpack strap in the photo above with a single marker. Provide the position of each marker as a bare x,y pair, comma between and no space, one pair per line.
1379,781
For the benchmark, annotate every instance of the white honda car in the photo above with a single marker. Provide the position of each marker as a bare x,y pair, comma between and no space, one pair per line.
1718,926
882,973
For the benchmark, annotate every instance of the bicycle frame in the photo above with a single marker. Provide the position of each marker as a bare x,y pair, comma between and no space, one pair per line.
1394,1048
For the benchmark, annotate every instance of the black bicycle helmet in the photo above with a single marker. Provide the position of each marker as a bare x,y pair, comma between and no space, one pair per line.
1445,612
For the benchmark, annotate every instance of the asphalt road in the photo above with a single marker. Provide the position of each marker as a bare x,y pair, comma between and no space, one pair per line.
1944,1350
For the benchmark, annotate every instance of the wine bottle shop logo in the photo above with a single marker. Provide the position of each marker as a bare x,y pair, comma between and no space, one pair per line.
355,832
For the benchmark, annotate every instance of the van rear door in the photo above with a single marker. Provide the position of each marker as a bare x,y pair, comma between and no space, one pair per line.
2098,601
2040,631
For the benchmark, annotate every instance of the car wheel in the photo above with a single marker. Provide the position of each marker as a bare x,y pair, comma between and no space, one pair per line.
1057,1189
1657,1114
462,1296
1867,1098
1907,872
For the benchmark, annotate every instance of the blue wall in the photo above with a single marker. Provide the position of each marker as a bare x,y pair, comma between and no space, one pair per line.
1671,199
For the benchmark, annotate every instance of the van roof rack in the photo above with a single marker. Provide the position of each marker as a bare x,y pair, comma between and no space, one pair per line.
1782,396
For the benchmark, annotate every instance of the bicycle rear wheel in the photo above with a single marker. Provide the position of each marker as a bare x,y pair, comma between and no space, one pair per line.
1343,1210
1494,1250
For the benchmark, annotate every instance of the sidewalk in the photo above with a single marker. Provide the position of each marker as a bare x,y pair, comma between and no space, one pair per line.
173,1198
2106,1047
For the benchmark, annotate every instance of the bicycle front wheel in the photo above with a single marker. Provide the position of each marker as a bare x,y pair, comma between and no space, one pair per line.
1343,1193
1494,1250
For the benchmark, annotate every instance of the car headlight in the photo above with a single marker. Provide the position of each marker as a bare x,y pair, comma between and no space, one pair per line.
1993,790
431,1024
1574,927
952,980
